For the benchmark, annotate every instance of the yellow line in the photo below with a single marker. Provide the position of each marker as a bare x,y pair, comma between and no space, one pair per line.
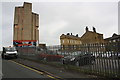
52,74
52,77
34,70
27,67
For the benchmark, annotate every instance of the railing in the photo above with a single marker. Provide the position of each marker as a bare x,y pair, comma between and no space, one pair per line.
102,59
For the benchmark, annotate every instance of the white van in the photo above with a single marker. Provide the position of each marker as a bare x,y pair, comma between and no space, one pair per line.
9,52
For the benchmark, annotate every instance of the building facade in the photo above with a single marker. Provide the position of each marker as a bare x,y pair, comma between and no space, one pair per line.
91,37
114,38
69,41
114,43
26,24
92,41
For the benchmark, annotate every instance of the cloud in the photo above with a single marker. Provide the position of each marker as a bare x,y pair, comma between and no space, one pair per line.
54,26
78,15
63,17
7,22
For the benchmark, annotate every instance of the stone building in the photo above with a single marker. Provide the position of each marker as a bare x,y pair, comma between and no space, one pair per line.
91,37
26,24
70,41
114,38
113,43
92,41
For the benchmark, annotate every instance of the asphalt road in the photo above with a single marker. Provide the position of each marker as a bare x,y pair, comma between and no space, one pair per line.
11,69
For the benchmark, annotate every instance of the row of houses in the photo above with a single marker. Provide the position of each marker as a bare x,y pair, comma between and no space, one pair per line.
70,41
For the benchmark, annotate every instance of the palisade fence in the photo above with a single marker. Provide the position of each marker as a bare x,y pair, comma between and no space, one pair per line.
106,63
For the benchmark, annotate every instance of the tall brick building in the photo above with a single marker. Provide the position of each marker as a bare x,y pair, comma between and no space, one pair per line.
26,24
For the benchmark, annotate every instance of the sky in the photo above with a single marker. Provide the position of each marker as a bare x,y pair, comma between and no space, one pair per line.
57,18
0,28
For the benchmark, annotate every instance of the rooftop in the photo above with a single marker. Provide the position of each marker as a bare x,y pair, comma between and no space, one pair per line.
114,36
68,35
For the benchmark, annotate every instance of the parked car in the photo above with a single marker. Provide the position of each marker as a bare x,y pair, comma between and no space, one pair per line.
9,52
50,55
96,55
110,54
63,53
119,55
115,55
79,60
69,53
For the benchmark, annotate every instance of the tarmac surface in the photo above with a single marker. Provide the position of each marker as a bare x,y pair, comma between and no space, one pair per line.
56,72
14,70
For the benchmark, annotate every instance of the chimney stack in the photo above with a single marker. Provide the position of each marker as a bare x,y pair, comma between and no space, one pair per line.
94,30
86,28
76,35
68,34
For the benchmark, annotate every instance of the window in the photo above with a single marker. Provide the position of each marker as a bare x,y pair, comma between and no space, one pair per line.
71,41
80,42
99,37
62,41
110,41
68,41
114,40
75,42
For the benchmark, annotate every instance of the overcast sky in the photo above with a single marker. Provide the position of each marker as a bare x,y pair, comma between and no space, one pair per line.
57,18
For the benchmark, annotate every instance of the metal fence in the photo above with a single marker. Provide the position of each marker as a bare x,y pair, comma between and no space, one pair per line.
102,59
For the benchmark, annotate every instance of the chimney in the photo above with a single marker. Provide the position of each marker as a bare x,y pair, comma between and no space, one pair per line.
94,30
86,28
76,35
68,34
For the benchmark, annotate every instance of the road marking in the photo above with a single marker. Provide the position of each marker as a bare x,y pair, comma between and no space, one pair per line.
52,74
48,73
33,69
52,77
27,67
36,70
